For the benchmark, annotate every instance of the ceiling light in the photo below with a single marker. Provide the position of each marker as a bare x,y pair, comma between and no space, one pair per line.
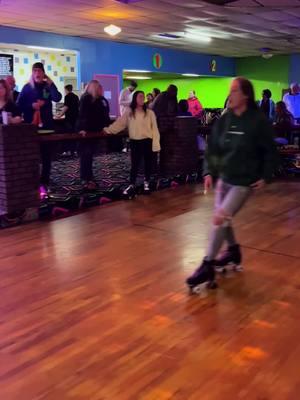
191,75
267,56
112,30
168,36
198,37
138,77
45,48
266,52
137,70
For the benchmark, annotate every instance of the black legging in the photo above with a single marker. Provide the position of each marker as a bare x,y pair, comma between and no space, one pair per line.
87,151
46,156
140,149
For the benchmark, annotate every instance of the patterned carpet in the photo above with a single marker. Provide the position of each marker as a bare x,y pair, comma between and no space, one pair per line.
67,195
111,172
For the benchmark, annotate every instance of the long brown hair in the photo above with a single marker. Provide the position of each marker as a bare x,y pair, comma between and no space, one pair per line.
248,90
8,92
133,104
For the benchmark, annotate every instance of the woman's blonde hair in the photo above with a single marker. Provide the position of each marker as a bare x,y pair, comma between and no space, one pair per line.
98,92
8,93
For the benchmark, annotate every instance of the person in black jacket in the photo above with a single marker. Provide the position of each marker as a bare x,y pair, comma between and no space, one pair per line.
93,117
166,104
241,152
35,102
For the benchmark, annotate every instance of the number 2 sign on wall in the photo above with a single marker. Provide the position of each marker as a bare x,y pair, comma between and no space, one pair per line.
213,66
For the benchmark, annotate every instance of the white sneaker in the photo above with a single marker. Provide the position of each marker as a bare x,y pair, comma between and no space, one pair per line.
146,187
129,191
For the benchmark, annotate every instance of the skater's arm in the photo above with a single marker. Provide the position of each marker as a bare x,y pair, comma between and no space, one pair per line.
156,134
156,105
211,159
124,99
119,125
82,121
268,149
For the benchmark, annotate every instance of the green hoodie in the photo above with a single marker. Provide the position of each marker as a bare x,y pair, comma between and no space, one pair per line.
241,149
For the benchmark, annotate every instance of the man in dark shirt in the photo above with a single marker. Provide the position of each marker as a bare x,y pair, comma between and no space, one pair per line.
70,109
165,104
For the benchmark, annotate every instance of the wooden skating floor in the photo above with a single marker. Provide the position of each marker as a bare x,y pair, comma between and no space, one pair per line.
94,307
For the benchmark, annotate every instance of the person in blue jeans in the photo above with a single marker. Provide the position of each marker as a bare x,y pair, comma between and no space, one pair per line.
241,152
35,98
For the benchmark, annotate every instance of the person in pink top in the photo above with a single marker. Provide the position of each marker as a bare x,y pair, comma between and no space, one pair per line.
195,107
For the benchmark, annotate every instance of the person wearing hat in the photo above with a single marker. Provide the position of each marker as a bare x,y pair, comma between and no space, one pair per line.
292,101
35,102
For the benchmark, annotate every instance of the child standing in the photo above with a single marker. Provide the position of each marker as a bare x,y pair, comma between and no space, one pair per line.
144,138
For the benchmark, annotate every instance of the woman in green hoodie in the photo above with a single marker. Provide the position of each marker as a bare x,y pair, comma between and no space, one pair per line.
241,152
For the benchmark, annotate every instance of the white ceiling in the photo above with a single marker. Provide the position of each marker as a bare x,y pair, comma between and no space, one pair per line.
239,29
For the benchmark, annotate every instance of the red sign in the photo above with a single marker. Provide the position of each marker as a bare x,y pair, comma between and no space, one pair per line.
157,61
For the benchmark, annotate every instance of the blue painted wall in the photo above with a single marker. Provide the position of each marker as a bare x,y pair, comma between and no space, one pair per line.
294,73
109,57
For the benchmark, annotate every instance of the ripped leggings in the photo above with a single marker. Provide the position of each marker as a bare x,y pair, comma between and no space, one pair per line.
229,199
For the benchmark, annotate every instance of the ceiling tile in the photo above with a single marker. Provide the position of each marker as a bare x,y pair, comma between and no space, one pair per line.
240,28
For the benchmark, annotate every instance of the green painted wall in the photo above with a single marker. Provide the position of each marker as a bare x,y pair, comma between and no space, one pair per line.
212,92
270,74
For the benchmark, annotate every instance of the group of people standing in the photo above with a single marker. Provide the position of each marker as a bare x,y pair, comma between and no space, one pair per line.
89,114
241,151
164,103
285,113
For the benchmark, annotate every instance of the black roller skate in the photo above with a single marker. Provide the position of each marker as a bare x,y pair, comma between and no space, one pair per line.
202,278
130,192
231,259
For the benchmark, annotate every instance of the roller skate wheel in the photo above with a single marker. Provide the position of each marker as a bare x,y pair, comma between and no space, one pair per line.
212,285
198,289
238,268
221,270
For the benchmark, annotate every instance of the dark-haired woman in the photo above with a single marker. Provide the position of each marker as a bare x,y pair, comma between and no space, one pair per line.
183,109
267,105
155,93
242,153
150,99
144,137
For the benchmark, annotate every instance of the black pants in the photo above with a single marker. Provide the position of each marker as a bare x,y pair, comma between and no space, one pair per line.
87,151
140,150
70,145
46,155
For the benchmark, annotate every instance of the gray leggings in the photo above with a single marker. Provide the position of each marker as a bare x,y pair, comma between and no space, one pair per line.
229,200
